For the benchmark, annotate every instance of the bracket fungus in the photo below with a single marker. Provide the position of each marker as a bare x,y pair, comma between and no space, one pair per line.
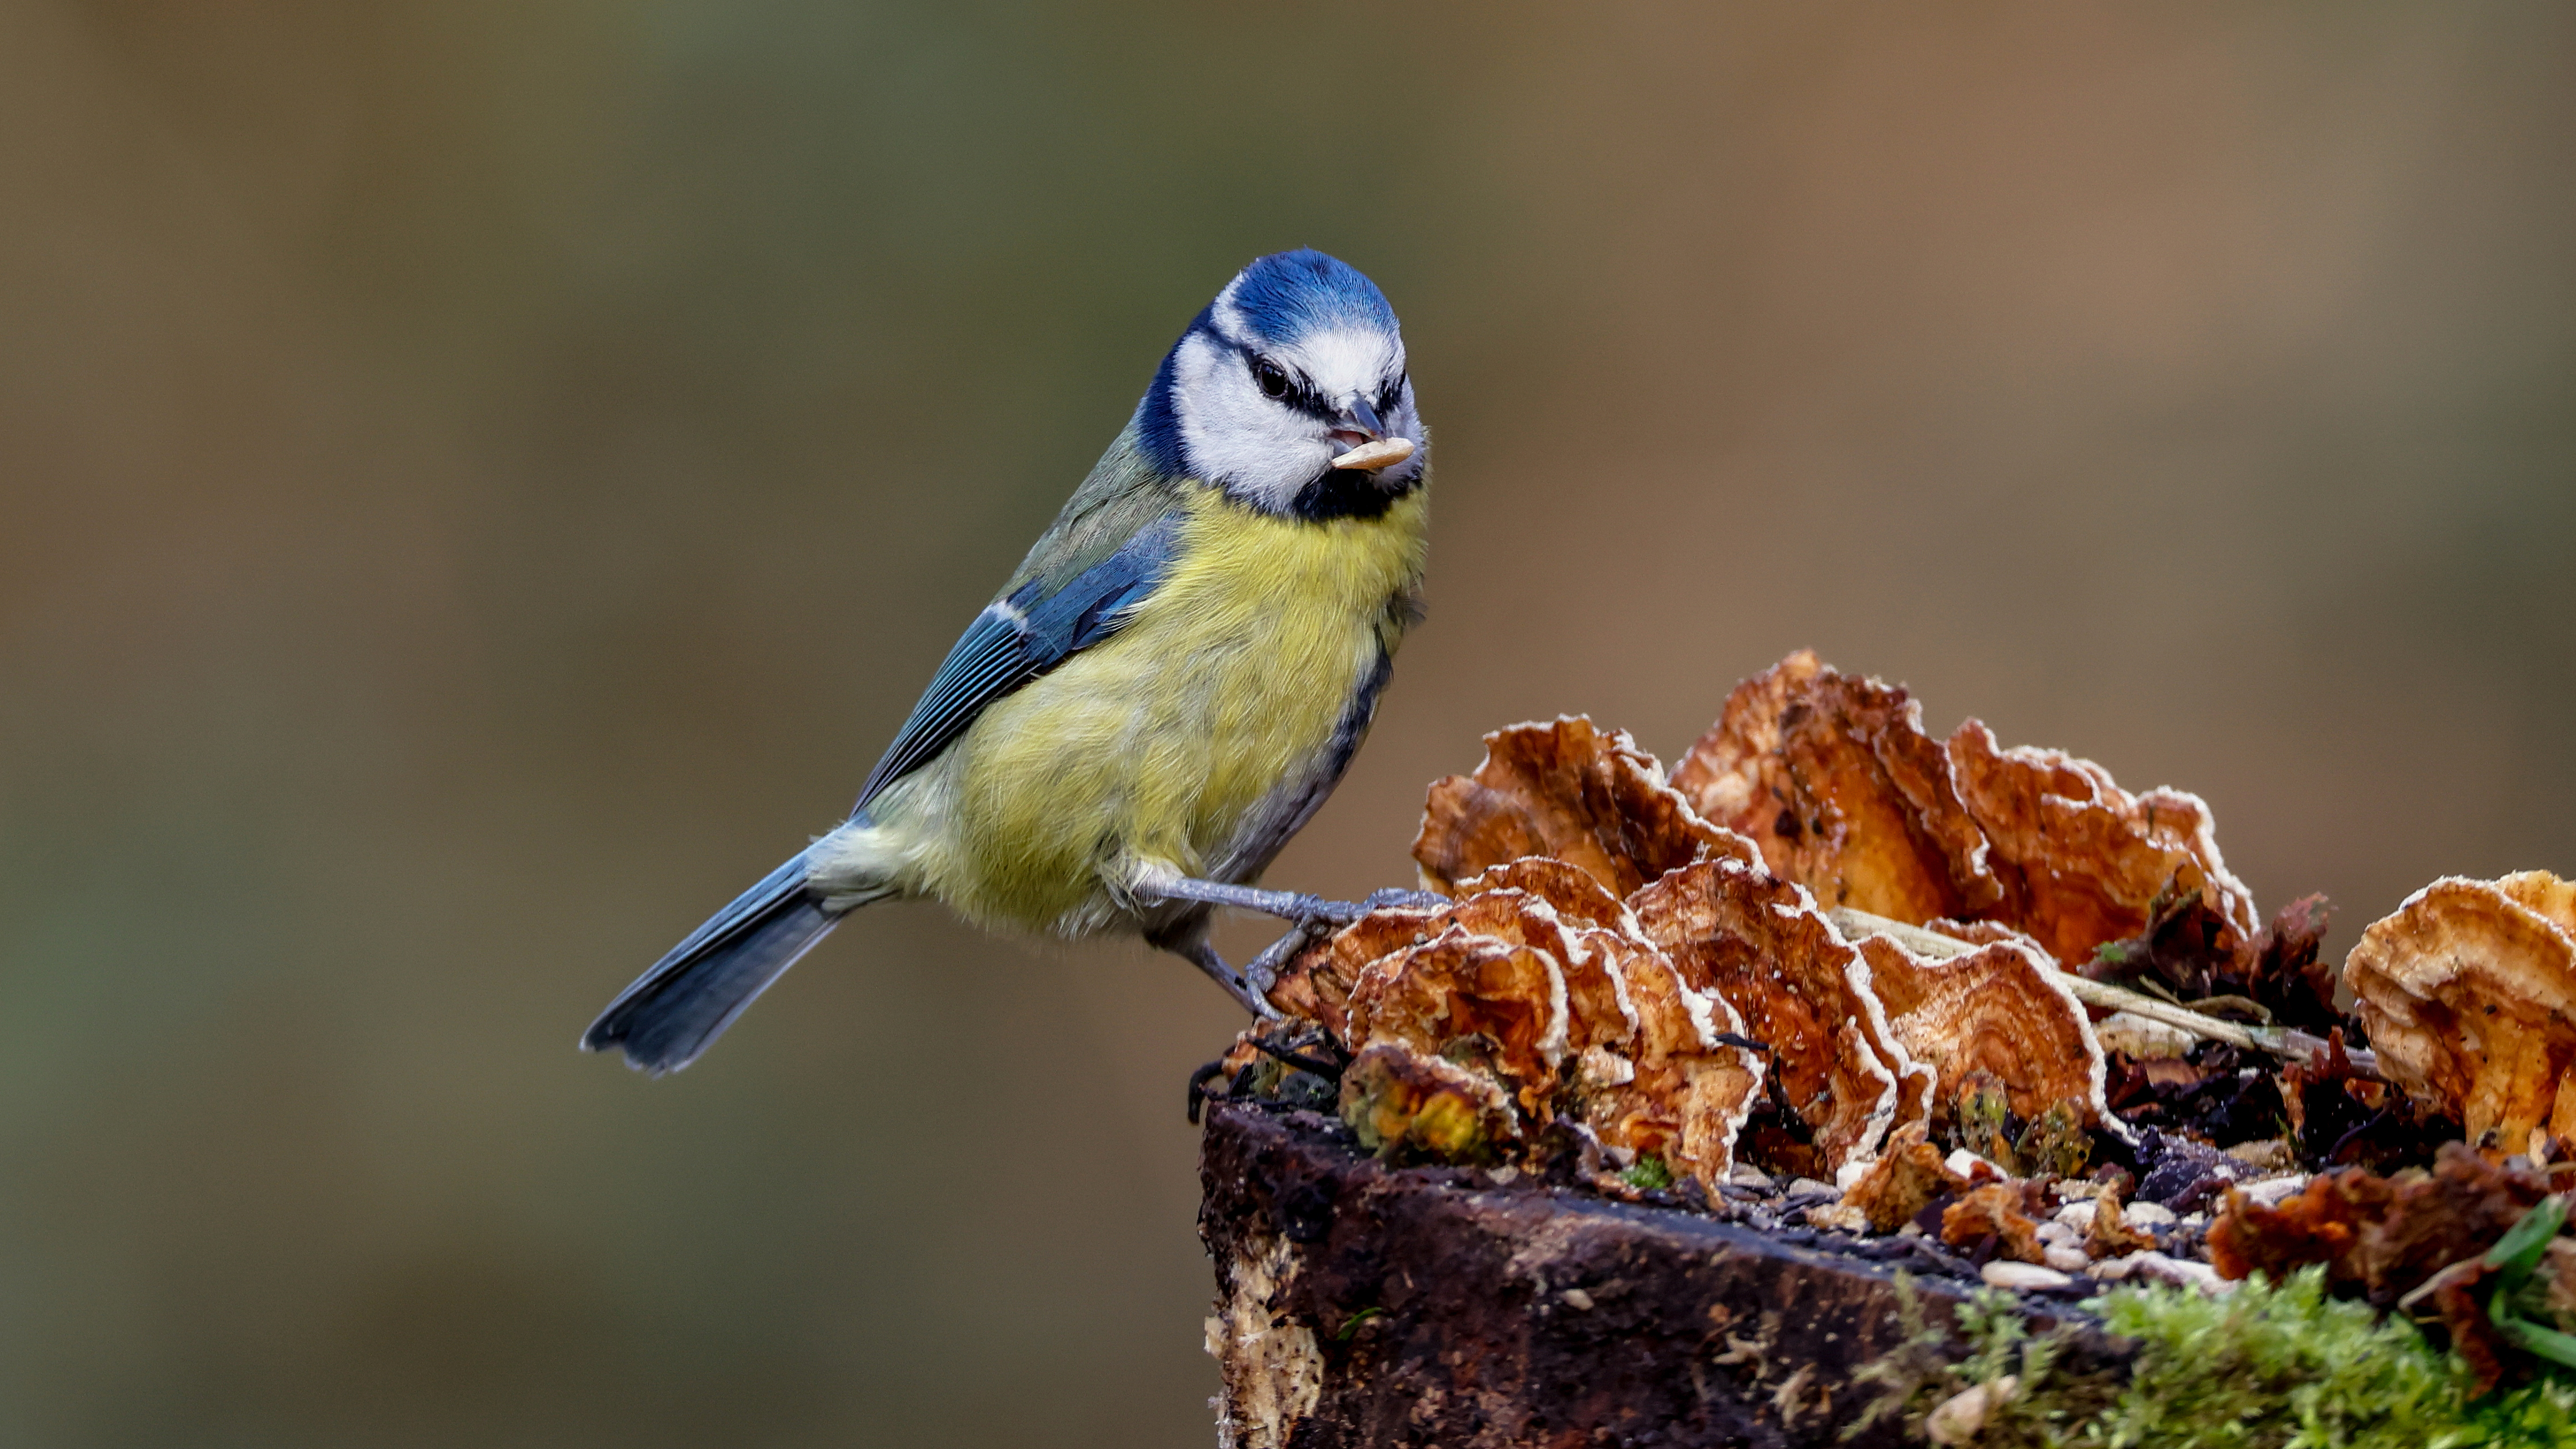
1570,790
1674,1089
1907,1178
1842,790
1759,943
1462,992
1402,1103
1539,979
1998,1009
2468,993
2082,860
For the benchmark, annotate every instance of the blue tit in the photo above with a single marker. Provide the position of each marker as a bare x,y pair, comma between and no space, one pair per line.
1165,691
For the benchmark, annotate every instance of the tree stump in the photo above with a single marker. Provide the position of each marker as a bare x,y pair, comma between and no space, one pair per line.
1365,1305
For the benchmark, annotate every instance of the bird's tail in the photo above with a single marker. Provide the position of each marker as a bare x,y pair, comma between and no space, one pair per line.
691,995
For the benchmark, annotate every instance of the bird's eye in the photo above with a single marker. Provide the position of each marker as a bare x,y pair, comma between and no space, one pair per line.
1272,377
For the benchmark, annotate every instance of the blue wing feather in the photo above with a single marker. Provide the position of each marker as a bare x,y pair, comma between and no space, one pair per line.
983,663
1018,638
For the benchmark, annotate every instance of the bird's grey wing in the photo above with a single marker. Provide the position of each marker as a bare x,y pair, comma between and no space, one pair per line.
1022,635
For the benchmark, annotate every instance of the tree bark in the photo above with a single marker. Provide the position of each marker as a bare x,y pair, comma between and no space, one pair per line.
1363,1305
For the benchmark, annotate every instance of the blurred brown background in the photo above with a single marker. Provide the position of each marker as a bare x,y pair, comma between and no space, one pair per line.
482,482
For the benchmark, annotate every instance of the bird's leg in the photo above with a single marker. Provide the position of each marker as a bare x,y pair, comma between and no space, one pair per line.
1307,911
1263,970
1204,956
1310,918
1380,900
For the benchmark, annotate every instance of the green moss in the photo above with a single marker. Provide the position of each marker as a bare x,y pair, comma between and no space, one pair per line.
1651,1174
2262,1368
2277,1366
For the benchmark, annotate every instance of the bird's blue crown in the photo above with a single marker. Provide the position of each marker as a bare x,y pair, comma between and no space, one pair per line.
1287,295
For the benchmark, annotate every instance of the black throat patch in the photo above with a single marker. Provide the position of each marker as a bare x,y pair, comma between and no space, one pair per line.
1349,493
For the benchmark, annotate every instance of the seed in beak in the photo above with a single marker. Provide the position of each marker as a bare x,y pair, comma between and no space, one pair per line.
1369,457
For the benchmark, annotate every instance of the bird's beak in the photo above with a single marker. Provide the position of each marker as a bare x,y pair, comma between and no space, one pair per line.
1380,451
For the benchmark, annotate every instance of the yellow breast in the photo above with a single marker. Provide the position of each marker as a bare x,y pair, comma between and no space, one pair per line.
1154,748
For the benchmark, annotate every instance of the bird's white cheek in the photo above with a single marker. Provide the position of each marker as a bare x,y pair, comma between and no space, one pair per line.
1234,436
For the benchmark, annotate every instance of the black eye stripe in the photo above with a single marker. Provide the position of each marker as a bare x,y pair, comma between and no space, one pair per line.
1303,396
1391,394
1301,393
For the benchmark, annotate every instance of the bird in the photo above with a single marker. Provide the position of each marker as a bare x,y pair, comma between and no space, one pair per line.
1161,695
